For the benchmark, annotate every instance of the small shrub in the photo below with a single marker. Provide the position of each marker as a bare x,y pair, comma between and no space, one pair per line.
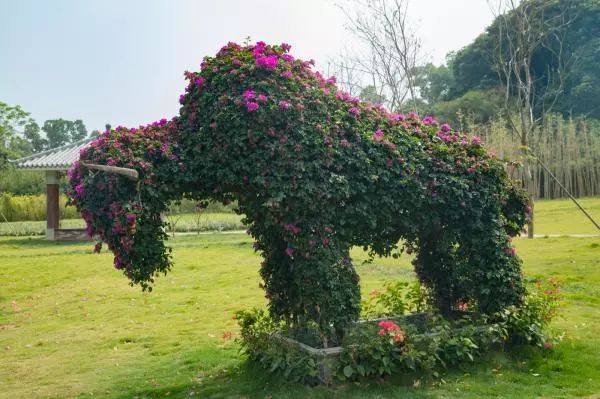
396,298
528,323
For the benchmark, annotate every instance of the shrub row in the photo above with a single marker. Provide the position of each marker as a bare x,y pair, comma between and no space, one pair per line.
16,208
185,223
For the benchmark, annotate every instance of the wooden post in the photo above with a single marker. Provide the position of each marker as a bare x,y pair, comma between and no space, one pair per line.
52,206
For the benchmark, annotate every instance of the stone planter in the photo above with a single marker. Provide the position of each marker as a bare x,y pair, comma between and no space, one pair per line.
328,359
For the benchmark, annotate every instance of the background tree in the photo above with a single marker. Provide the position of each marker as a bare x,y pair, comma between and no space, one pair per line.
391,49
524,30
60,131
372,95
31,132
12,142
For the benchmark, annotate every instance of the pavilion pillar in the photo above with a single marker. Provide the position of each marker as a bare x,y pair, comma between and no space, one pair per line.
52,206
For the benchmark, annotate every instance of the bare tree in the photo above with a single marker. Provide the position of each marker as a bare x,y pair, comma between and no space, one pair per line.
524,28
392,48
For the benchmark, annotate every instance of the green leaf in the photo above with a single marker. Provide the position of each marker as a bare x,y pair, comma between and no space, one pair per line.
348,371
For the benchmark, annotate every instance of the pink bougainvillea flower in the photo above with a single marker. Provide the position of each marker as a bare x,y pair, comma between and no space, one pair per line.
476,140
286,74
331,80
267,62
288,57
261,98
181,99
289,251
79,190
292,228
445,128
248,94
378,135
199,82
251,106
354,111
284,104
286,47
413,115
381,332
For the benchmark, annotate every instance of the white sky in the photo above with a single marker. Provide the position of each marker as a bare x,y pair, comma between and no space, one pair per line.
121,61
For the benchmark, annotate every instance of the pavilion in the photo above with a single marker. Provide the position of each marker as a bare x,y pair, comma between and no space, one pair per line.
54,163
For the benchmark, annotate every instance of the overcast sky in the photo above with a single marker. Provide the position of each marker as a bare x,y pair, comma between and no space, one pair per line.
122,61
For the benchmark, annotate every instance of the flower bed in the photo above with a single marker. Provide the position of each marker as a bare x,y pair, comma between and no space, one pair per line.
417,342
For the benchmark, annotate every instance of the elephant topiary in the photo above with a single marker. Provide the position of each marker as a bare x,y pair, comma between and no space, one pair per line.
314,171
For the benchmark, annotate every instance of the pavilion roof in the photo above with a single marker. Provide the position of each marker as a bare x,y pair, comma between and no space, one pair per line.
60,158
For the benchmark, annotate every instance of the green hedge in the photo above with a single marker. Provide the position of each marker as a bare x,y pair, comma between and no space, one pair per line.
20,208
15,208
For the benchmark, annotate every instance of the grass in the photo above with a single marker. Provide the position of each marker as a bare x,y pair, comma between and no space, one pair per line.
563,217
71,326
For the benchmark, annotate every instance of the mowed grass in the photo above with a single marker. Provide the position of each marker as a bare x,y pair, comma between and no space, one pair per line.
563,216
71,326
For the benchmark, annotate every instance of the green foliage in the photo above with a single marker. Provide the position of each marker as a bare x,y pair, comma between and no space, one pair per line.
30,207
22,182
575,32
187,223
396,298
426,343
480,106
12,145
528,323
370,350
434,82
370,94
60,131
273,354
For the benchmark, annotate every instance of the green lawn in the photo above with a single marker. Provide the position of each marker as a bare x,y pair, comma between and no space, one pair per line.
71,326
563,217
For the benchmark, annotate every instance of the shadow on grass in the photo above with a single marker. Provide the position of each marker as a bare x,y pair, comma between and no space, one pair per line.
497,373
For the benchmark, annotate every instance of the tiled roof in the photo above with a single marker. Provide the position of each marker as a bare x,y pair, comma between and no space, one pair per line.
60,158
